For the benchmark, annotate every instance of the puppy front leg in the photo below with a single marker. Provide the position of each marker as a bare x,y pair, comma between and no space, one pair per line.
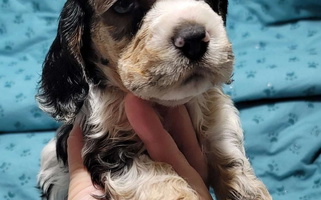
230,172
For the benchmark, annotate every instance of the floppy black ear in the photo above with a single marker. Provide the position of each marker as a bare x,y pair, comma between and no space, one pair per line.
220,7
64,85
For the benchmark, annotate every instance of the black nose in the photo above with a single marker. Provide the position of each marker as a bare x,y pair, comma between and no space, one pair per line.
192,40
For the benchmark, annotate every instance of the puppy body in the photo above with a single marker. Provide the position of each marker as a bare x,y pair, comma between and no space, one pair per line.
147,52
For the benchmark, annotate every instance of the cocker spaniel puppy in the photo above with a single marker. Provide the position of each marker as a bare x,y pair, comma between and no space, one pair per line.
170,52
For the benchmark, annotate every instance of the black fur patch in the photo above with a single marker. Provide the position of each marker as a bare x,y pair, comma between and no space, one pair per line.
220,7
106,154
104,61
45,195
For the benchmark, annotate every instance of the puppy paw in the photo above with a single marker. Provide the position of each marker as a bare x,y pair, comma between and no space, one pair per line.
248,188
253,190
237,184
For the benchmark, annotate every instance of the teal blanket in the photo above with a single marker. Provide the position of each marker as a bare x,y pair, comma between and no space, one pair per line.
277,88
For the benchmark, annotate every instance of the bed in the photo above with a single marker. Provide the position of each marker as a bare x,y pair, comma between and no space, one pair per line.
277,88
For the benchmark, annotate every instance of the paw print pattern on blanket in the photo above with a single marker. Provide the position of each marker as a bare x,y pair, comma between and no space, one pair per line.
36,6
272,107
273,65
23,46
290,137
316,131
281,191
273,167
284,10
2,29
4,167
317,183
24,179
295,148
269,91
25,153
9,196
273,137
18,19
292,118
27,29
10,147
5,4
19,163
267,48
313,65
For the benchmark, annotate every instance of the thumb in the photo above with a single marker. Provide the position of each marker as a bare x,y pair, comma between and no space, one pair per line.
74,148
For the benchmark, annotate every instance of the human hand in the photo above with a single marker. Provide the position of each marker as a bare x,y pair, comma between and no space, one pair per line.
182,151
80,186
145,121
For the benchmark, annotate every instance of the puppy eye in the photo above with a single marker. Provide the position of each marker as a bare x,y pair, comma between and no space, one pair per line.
124,6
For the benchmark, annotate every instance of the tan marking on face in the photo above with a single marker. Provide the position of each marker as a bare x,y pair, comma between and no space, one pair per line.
153,68
106,47
111,34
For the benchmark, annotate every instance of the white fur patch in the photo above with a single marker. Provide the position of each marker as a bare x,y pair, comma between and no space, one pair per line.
149,180
53,176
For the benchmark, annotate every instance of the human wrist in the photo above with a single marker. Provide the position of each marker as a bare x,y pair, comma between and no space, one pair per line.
81,187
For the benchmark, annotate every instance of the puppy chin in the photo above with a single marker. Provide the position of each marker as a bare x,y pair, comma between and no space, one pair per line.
171,103
179,95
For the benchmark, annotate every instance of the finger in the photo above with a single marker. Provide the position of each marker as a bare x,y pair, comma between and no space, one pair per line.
143,118
74,148
185,136
149,128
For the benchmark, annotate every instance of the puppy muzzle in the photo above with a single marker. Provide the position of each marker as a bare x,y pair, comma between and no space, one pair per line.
180,51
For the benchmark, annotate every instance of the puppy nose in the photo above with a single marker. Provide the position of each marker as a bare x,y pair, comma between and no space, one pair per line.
192,40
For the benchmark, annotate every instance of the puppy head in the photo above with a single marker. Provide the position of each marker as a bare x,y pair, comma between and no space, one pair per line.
166,51
180,51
